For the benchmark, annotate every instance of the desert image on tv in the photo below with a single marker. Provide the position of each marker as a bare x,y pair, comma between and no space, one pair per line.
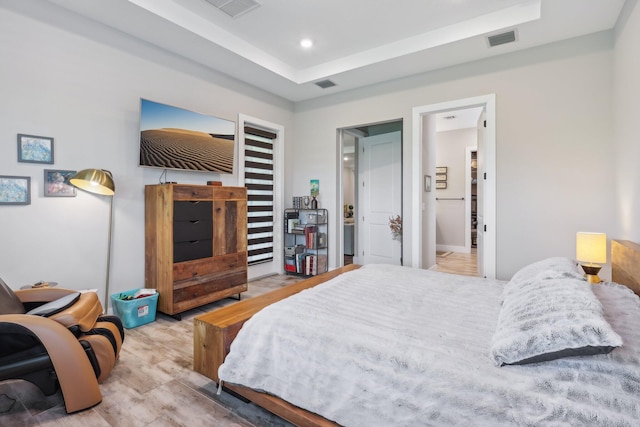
186,149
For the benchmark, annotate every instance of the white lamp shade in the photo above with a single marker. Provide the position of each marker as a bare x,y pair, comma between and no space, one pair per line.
591,247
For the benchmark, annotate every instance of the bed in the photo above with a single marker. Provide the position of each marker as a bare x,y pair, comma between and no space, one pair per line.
426,348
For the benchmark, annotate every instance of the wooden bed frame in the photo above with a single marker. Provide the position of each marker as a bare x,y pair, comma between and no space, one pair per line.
214,331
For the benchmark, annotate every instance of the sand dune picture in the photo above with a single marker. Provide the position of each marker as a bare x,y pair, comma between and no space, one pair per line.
174,138
185,149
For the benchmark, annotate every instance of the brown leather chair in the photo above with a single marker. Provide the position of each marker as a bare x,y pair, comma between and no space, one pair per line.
58,338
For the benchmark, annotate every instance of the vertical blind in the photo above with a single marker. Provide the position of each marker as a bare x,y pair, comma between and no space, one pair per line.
259,180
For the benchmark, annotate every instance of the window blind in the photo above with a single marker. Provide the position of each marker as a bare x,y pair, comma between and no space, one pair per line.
259,181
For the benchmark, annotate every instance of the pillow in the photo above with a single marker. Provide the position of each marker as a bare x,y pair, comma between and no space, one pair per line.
55,306
546,318
556,267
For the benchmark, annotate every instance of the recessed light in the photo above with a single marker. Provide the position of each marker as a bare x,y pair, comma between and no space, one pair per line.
306,43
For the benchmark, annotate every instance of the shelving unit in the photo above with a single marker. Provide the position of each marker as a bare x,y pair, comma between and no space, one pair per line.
474,199
306,241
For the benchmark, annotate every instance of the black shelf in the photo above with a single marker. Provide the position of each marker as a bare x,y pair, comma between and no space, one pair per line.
306,244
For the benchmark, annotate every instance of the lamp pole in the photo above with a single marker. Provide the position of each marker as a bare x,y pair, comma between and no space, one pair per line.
99,181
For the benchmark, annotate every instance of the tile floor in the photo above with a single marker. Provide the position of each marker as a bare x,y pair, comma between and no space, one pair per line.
153,384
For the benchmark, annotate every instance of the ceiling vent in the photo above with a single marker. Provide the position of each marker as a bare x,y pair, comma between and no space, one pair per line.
503,38
234,8
324,84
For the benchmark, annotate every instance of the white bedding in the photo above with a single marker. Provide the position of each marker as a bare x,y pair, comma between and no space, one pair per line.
395,346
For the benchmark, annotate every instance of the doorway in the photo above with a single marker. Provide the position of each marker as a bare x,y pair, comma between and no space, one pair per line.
424,206
370,159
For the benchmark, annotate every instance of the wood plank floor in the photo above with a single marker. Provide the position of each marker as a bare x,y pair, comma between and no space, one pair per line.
458,263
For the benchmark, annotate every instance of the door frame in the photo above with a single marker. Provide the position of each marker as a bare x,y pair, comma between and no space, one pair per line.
355,130
489,195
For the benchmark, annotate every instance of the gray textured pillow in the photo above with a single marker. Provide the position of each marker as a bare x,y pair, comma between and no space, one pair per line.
549,268
546,318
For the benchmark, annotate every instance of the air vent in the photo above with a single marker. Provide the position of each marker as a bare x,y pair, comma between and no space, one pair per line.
324,84
498,39
234,8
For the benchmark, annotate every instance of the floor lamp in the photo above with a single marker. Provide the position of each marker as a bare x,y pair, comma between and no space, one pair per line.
99,181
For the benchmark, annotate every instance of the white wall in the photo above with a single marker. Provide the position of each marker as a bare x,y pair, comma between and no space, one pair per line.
555,166
57,83
626,115
451,151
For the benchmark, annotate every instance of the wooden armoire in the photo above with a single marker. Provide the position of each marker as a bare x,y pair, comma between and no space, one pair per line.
195,244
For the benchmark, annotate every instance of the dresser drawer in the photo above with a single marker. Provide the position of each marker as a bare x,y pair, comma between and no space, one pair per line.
190,211
196,229
196,249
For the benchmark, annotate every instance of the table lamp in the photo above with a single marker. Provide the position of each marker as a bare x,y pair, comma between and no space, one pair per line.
591,250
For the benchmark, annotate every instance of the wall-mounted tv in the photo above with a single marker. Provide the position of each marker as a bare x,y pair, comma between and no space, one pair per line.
175,138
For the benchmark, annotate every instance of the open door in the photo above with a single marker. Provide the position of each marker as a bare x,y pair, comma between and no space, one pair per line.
380,195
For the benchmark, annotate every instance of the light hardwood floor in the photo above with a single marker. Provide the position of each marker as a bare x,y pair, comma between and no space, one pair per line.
458,263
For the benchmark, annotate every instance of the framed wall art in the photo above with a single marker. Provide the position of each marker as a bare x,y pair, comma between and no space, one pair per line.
441,185
35,149
15,190
441,169
56,183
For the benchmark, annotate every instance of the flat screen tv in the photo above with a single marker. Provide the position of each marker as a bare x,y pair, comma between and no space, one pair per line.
175,138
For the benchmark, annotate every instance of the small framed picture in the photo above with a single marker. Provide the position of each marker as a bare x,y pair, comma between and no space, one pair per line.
441,185
427,183
56,183
441,177
35,149
15,190
441,169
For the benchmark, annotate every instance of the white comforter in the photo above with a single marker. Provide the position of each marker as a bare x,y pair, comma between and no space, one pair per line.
394,346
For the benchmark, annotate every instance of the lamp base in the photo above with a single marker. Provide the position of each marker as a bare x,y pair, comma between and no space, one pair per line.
591,273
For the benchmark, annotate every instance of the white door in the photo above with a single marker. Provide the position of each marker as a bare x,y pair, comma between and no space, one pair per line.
380,198
480,191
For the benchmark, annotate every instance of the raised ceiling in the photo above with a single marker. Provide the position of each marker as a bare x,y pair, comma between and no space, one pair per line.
356,42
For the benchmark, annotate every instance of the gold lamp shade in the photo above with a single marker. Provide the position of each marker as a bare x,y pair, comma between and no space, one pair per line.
96,181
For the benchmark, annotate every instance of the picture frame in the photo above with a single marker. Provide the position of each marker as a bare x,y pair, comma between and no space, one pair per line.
441,185
15,190
441,169
441,177
315,187
427,183
35,149
56,183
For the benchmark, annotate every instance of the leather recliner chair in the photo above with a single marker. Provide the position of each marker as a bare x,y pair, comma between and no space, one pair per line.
58,338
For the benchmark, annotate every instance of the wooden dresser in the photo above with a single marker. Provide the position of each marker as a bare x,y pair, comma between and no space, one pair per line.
195,244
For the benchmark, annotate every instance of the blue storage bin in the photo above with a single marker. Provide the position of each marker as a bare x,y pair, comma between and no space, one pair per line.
135,312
